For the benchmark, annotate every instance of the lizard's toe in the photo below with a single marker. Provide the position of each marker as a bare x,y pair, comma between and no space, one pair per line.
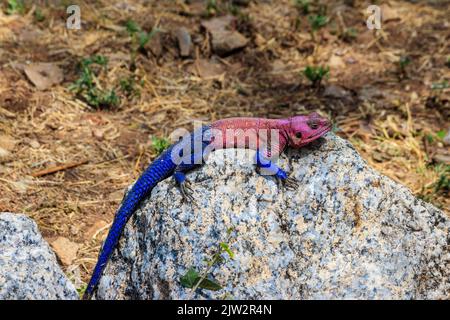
291,184
187,191
288,183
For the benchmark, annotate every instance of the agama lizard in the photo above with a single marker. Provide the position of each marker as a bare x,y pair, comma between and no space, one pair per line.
187,154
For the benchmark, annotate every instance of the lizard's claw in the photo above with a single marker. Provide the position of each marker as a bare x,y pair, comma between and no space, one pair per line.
288,183
186,191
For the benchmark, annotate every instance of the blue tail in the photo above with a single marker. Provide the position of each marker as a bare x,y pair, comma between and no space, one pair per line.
159,170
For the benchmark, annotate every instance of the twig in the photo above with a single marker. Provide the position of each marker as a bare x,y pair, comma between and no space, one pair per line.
58,168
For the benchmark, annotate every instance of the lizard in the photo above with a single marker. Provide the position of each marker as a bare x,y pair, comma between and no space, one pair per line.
187,153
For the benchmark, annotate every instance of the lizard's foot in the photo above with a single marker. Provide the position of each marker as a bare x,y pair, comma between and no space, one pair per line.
284,180
186,191
288,183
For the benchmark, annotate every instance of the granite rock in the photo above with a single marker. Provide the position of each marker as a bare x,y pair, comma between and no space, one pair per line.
347,232
28,267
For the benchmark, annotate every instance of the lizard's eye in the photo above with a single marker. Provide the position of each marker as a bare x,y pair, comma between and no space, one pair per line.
298,135
313,124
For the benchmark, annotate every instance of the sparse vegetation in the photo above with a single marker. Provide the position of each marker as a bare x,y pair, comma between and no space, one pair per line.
403,62
302,6
39,15
349,35
315,74
442,185
139,38
15,7
86,88
160,144
193,279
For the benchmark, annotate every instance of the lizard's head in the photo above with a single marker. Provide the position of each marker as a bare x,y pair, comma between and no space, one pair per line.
304,129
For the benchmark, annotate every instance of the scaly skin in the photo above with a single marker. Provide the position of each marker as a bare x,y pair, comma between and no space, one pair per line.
272,137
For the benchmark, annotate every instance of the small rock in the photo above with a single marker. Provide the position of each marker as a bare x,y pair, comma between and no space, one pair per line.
184,41
369,93
98,133
195,8
336,62
35,144
65,250
6,145
442,157
28,267
44,75
154,45
206,68
388,13
447,138
335,92
225,39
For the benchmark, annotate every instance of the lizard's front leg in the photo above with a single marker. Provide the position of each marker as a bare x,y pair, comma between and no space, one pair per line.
267,167
188,163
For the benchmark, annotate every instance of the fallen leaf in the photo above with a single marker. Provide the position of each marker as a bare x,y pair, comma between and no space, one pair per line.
225,39
65,250
206,68
184,41
44,75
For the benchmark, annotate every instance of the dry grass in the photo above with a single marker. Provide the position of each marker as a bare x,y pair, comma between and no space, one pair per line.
44,129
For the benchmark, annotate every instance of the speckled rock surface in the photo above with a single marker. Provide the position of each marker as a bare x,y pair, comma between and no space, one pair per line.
28,267
347,232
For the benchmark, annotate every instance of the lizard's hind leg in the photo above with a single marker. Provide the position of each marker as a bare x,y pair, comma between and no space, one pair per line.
184,185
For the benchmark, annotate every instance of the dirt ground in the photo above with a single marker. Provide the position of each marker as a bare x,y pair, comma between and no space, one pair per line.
65,161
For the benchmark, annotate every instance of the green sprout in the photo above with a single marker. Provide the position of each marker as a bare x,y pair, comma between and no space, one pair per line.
302,6
442,185
316,74
192,279
15,7
160,144
317,21
402,64
349,34
128,86
39,15
139,38
86,88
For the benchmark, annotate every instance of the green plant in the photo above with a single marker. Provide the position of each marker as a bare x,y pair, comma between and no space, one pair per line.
15,6
39,15
86,88
194,280
317,21
447,63
316,74
402,64
81,290
442,185
160,144
212,7
139,38
128,86
349,34
302,6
